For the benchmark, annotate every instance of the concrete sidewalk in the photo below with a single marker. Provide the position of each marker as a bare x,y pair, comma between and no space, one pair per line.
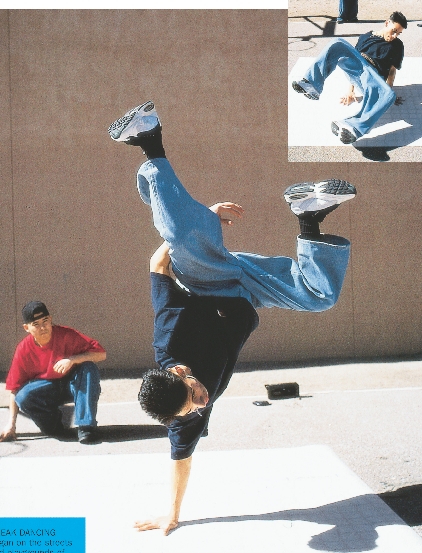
311,27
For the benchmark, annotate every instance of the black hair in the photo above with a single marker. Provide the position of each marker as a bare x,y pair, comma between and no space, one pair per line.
162,395
398,17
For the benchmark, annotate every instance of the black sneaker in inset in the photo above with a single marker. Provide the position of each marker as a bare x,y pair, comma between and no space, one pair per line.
139,121
344,132
304,87
316,196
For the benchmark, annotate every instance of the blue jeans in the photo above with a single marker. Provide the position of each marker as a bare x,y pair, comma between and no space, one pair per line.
40,399
377,95
202,263
348,9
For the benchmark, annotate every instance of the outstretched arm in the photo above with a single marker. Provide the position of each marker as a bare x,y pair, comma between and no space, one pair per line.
180,478
390,81
228,212
391,76
9,431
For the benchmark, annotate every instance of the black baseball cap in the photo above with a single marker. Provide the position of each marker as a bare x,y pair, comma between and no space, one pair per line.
33,311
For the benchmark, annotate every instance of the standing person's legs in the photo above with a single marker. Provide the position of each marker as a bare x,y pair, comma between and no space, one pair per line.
40,400
347,10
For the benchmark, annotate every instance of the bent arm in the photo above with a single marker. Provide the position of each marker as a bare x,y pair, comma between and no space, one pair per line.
160,260
64,365
180,478
9,431
227,212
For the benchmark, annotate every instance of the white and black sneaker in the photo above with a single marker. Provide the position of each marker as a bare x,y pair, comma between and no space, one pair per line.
304,87
137,122
345,132
308,197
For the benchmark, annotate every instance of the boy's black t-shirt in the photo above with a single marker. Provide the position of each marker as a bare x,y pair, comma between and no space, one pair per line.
205,333
384,54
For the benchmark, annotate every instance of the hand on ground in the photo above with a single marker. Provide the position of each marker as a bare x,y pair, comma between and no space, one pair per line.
348,99
166,524
8,435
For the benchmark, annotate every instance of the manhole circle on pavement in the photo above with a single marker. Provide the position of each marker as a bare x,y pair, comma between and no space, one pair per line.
299,45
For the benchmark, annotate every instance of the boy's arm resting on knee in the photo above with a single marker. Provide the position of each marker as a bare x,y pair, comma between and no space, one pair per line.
180,477
9,431
64,365
160,260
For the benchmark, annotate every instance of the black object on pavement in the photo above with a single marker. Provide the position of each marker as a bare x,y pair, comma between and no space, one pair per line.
282,391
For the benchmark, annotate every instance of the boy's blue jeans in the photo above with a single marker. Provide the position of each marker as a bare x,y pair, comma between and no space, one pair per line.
377,94
40,399
202,263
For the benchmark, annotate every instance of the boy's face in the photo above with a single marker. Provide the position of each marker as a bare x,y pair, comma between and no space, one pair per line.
40,329
197,393
392,31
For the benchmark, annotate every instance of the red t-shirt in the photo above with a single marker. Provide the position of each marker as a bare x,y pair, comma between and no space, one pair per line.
31,361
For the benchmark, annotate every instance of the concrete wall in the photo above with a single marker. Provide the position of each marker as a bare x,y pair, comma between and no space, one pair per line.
74,232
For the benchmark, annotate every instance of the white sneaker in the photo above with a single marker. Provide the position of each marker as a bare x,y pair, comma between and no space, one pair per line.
137,121
345,132
316,196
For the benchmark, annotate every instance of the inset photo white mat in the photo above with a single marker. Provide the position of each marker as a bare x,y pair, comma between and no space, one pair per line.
310,120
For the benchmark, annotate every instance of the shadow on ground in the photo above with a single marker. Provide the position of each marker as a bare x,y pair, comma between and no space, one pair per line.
400,137
109,433
348,533
328,29
131,432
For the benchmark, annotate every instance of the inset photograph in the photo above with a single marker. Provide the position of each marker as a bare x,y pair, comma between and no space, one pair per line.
355,81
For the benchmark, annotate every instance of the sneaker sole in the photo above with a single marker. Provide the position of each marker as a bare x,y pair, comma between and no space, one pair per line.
115,129
344,134
296,86
333,189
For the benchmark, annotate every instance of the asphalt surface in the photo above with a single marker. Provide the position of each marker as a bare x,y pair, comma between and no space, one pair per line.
312,25
368,413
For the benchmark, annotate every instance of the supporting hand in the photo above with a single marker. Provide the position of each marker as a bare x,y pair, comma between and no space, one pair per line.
8,434
228,212
350,97
9,431
165,523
